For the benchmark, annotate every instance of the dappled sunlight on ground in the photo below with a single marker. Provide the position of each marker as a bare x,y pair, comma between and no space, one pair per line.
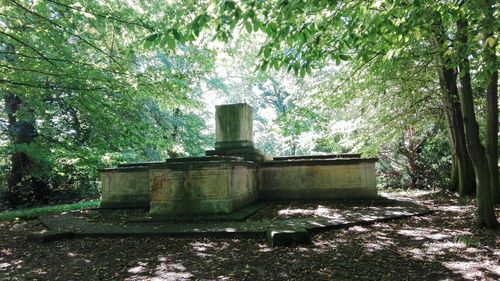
423,233
455,209
439,246
202,249
358,229
264,248
319,211
163,269
473,270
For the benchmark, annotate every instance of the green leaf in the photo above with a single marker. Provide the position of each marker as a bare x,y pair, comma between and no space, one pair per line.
150,40
417,34
263,67
276,65
309,70
251,14
248,26
176,34
490,41
170,42
267,52
337,60
195,27
256,25
344,57
303,37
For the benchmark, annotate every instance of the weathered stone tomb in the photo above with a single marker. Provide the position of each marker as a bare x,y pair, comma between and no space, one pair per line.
234,175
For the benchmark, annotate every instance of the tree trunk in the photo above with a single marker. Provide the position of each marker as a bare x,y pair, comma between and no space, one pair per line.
21,186
454,178
454,174
485,212
462,167
491,101
492,135
492,132
466,183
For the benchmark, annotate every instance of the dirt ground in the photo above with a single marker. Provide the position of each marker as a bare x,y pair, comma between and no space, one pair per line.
441,246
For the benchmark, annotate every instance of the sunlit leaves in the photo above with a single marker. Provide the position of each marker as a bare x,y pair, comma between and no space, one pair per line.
417,34
490,41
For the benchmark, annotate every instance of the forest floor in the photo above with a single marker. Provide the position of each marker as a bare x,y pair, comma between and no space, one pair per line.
441,246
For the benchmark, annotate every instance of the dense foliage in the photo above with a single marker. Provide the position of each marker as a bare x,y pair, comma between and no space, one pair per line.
81,93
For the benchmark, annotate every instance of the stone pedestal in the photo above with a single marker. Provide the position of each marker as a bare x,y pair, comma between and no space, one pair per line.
234,132
233,126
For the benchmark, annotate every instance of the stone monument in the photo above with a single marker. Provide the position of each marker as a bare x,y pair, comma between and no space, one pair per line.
234,175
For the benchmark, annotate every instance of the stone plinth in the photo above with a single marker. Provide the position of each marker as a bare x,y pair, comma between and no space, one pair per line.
202,188
125,187
233,133
318,179
233,126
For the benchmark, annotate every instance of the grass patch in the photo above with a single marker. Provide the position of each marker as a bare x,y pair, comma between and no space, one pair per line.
34,212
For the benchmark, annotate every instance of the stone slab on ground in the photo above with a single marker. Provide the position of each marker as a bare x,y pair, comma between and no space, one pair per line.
68,222
47,236
276,237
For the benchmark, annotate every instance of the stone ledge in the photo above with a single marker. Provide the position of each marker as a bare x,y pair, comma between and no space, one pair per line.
317,162
318,156
238,215
238,144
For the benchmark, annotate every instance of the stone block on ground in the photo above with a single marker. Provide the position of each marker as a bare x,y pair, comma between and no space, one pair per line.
287,237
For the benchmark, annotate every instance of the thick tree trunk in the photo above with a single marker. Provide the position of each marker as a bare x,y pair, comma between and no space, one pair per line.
485,212
462,168
492,130
492,133
491,101
453,115
466,184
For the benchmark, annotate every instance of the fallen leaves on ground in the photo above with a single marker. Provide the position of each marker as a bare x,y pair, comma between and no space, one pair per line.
441,246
